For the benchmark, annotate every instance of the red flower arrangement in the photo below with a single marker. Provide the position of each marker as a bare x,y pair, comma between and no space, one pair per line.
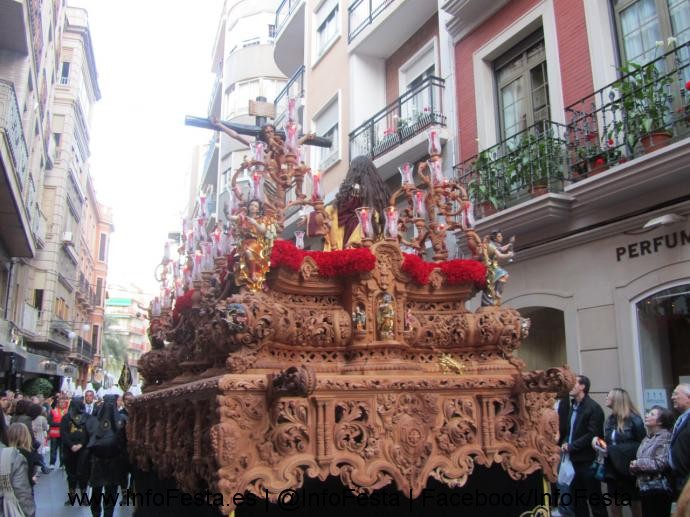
182,304
457,271
330,263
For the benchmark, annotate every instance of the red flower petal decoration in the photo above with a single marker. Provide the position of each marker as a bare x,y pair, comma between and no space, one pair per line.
456,271
330,263
182,303
687,86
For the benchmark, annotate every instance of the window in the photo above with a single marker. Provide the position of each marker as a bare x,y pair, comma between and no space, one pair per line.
99,292
64,74
327,23
61,308
95,330
103,247
271,31
641,23
38,300
522,84
327,125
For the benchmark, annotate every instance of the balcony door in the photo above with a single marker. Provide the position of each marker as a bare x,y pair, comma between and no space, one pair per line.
416,89
522,85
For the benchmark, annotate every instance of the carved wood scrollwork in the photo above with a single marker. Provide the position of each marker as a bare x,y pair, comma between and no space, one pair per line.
281,384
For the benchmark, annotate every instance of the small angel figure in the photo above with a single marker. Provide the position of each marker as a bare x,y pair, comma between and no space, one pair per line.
359,319
494,251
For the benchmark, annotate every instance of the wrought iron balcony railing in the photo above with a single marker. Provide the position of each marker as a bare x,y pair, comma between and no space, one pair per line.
409,115
11,124
361,14
82,349
646,108
294,89
283,12
527,164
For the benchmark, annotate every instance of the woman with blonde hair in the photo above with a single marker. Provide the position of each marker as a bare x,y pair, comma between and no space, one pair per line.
14,469
19,437
623,433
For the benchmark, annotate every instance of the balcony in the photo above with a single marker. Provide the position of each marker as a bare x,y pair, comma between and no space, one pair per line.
379,27
289,43
528,164
623,147
405,119
13,29
15,224
294,89
82,351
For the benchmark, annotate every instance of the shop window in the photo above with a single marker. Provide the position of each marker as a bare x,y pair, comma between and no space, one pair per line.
663,321
545,346
522,85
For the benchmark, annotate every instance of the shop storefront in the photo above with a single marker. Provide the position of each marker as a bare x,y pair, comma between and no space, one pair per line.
616,309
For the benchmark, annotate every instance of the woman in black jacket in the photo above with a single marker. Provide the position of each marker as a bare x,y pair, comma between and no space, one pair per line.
623,433
73,434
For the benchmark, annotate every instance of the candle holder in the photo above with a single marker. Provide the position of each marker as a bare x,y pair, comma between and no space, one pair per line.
315,186
299,239
419,208
292,109
391,230
434,138
257,186
364,217
291,139
258,151
406,171
436,170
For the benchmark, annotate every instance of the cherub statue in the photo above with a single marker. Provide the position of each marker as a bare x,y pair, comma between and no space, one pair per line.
493,251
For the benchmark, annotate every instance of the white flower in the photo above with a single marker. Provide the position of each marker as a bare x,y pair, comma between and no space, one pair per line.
659,43
671,42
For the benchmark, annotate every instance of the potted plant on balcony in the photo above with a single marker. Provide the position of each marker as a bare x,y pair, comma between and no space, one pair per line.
484,187
645,103
539,159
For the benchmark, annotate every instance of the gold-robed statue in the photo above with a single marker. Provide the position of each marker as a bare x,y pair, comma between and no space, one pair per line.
255,232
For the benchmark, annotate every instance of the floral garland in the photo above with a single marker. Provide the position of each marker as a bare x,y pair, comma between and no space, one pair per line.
330,263
182,304
456,271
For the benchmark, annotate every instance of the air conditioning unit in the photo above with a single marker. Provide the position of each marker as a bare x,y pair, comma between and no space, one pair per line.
67,239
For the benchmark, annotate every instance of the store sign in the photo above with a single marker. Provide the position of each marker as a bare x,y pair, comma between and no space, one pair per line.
651,246
655,398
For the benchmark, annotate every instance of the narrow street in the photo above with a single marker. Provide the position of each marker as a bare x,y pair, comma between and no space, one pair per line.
51,494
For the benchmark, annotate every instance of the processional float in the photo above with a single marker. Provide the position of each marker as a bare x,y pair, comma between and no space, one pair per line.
271,364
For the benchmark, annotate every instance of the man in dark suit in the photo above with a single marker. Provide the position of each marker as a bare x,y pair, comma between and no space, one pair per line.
580,421
679,453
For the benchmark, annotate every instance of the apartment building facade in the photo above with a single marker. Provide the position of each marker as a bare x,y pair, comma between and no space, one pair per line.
373,76
242,60
49,292
30,39
583,157
126,324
